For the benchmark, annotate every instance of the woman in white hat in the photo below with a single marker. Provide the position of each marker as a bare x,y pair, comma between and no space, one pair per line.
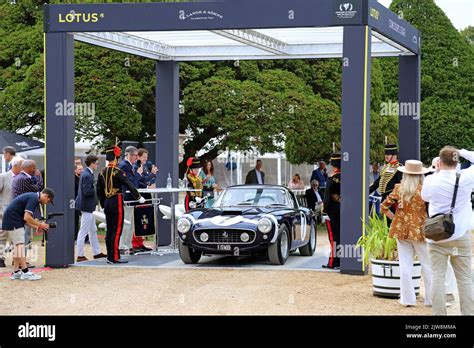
406,227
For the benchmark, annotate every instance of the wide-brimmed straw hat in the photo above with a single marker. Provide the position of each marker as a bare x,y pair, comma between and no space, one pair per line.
413,167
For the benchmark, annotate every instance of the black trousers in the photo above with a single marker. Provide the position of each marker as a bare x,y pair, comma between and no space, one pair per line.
334,233
114,216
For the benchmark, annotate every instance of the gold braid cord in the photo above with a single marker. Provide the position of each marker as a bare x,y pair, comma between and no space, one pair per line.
110,190
196,181
385,176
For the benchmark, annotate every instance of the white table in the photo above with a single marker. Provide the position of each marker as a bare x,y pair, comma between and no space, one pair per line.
154,194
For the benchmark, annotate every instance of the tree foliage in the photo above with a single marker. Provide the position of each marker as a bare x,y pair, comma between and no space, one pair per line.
290,105
468,33
447,77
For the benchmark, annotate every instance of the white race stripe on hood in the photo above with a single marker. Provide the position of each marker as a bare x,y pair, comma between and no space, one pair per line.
227,220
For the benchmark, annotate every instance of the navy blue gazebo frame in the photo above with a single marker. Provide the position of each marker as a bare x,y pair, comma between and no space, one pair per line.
359,19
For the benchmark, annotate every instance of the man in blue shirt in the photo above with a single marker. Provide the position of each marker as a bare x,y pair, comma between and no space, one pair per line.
320,174
18,214
148,178
149,172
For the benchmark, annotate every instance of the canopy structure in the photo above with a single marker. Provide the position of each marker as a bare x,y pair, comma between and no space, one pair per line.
19,142
238,44
169,33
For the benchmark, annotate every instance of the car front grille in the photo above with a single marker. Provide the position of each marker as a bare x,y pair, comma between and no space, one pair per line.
224,236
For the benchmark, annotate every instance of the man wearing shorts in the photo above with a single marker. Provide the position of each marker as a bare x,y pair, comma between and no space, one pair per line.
18,214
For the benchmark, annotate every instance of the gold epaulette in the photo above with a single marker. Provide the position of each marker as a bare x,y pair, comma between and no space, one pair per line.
385,176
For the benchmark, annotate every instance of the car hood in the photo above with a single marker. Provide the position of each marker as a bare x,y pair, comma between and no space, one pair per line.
236,217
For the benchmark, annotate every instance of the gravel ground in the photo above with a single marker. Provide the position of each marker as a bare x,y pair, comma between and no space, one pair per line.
87,290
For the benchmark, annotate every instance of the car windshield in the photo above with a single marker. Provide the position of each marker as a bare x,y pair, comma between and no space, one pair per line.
252,197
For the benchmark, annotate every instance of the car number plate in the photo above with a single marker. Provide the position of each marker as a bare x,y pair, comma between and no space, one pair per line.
225,247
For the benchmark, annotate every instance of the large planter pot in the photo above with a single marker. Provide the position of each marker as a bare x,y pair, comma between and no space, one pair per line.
386,278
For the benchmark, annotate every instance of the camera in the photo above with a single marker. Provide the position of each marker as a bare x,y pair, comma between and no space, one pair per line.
51,224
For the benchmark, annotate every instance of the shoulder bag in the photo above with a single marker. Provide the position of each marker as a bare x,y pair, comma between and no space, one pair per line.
441,226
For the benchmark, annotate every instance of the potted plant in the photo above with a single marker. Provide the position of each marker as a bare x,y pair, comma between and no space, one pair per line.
381,251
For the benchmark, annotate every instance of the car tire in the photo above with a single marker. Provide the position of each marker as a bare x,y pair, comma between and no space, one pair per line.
189,255
310,248
279,251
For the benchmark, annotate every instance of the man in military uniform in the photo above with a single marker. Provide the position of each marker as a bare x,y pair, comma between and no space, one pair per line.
109,191
332,207
389,175
194,182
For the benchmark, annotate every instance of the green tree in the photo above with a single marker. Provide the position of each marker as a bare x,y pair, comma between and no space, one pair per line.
21,67
123,94
447,73
266,105
468,33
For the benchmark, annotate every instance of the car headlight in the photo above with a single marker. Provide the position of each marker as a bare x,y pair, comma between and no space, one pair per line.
183,225
264,225
244,237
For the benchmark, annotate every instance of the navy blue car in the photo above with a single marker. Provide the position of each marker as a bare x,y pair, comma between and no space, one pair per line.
248,220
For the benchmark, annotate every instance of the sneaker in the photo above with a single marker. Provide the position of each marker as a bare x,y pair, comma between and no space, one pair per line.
30,276
16,275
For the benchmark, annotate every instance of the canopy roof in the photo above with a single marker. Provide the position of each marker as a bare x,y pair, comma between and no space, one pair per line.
238,44
18,141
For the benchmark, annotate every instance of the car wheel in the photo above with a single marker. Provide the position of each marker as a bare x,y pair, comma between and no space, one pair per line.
308,249
279,251
189,255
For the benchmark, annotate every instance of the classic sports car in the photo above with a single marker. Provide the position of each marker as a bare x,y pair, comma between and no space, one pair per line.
248,220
